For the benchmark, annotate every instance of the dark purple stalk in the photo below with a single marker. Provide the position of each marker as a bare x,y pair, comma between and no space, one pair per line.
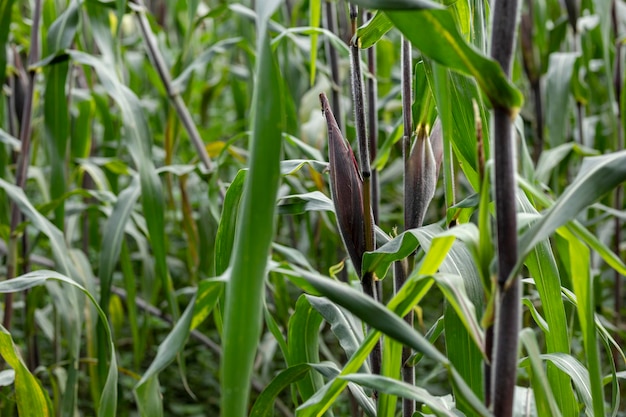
504,371
408,372
23,159
372,123
372,120
364,158
358,101
333,60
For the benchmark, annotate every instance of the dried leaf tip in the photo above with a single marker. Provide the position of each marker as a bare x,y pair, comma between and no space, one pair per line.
324,104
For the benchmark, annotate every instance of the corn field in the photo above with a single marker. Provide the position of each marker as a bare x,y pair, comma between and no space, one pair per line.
312,208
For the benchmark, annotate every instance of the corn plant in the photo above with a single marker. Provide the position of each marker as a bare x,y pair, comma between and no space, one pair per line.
183,232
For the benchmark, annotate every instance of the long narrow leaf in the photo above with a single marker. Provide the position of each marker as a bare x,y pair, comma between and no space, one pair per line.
598,175
108,401
255,228
583,285
30,397
391,386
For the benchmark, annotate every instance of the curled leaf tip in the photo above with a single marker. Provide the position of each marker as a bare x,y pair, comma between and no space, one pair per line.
324,103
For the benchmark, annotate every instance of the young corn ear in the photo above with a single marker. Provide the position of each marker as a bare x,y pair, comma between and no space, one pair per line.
346,187
424,164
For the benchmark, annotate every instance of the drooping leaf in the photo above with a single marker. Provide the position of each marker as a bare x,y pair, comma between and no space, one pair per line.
264,404
108,399
30,397
578,374
385,320
62,31
349,333
597,176
433,31
140,146
392,386
301,203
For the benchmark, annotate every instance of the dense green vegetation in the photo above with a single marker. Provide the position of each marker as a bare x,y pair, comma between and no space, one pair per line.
312,207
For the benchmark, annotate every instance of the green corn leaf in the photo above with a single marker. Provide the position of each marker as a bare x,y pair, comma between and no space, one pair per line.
453,94
410,294
139,143
255,228
10,140
401,389
301,203
558,96
303,345
147,390
373,30
545,400
387,321
391,366
80,140
433,31
59,248
453,288
598,175
582,232
462,287
200,63
291,166
344,326
225,237
276,331
113,237
108,400
542,266
315,15
578,374
264,404
398,4
582,282
61,33
6,9
405,243
329,371
30,397
551,158
208,294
